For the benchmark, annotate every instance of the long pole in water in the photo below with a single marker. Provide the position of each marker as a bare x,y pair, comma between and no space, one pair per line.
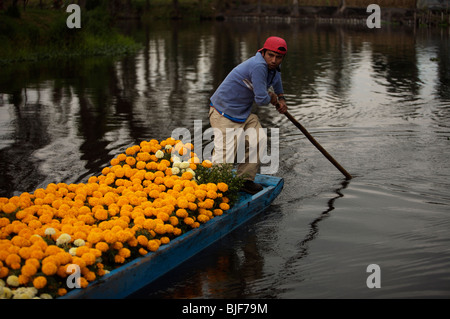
310,138
318,146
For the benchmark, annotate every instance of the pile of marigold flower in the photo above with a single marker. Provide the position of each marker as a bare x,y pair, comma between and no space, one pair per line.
145,198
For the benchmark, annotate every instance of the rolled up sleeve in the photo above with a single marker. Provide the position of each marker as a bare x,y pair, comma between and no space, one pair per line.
259,80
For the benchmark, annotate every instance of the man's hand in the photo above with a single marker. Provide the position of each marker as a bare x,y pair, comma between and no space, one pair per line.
273,98
281,106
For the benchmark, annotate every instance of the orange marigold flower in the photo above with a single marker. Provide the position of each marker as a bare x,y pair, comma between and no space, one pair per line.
124,252
40,282
153,245
203,218
130,161
173,220
89,258
176,231
222,187
28,270
182,213
211,194
102,246
142,240
12,259
49,268
207,163
182,202
119,259
62,291
165,240
4,272
90,276
101,214
9,208
188,221
23,280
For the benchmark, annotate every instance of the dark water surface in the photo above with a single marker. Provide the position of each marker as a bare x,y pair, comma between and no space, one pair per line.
377,100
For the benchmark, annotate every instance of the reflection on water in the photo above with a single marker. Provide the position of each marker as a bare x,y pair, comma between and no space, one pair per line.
377,100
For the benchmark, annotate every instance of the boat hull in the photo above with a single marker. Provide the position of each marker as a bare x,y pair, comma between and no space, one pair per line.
140,272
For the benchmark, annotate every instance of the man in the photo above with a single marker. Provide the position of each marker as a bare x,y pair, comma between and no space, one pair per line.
232,102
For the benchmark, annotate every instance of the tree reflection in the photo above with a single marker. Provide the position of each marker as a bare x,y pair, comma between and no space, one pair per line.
85,111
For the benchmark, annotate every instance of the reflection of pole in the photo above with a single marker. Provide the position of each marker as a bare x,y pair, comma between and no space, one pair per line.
314,228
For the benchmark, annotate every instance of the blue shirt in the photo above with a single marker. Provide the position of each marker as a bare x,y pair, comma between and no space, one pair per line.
234,97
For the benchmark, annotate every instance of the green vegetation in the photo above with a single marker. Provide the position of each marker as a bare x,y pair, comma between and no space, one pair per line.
36,34
176,9
221,173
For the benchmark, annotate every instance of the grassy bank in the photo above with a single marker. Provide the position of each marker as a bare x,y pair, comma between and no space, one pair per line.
37,34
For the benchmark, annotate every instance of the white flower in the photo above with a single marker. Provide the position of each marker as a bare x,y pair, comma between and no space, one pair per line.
159,154
184,165
6,294
24,293
79,242
46,296
12,281
168,147
50,231
175,170
63,239
73,251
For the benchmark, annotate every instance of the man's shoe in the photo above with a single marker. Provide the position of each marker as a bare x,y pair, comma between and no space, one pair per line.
251,187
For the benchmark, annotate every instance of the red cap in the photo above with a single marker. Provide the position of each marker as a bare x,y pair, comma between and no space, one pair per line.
275,44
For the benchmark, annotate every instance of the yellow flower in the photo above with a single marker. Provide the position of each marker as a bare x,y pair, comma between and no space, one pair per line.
13,281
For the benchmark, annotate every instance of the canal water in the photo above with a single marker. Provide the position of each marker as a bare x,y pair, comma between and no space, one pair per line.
377,100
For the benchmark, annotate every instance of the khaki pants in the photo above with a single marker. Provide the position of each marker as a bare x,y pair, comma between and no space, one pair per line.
231,146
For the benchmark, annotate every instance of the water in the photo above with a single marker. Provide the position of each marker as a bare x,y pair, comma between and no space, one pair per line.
376,100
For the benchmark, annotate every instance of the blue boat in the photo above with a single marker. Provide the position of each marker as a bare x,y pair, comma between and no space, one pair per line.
140,272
